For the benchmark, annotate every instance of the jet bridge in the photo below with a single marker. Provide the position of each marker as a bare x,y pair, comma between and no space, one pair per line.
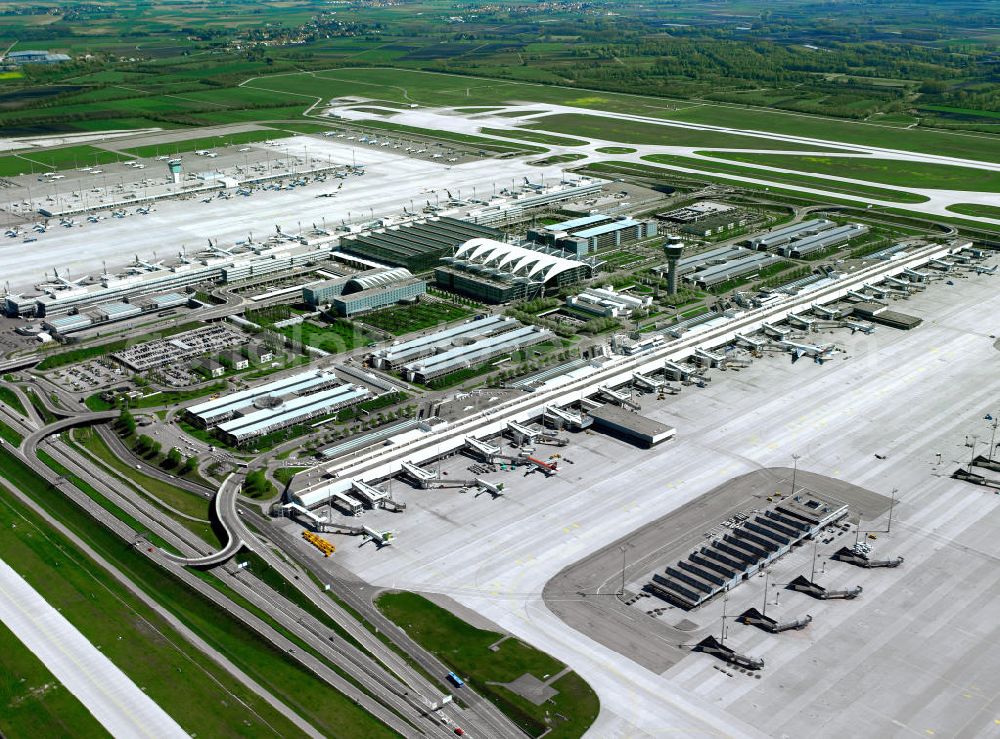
418,474
482,448
853,325
822,310
777,332
709,359
676,371
748,342
305,513
800,321
647,381
376,498
620,398
562,417
522,433
903,285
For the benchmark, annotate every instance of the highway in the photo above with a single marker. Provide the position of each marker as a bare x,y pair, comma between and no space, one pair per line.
390,688
487,719
383,462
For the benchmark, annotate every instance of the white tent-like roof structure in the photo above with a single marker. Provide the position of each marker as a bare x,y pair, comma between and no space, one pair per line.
514,260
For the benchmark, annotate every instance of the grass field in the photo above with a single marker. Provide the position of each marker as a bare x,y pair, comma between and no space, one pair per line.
615,150
972,209
466,650
333,338
189,686
601,128
208,142
434,89
51,160
404,319
558,159
10,435
529,135
458,138
883,171
847,188
33,701
7,396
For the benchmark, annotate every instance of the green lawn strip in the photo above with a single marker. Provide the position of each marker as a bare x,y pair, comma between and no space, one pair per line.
969,227
106,504
459,138
40,407
276,581
405,319
788,178
602,128
558,159
615,150
974,209
527,134
187,684
90,352
10,398
208,142
10,435
883,171
155,400
466,650
34,702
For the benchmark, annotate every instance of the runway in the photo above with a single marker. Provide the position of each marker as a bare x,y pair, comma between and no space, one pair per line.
115,701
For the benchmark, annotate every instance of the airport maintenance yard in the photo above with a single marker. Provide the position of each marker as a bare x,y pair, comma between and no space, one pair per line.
871,419
393,180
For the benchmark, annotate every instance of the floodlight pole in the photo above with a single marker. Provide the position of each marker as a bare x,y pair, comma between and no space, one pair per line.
857,535
767,574
993,437
975,440
795,469
892,503
622,593
722,639
812,575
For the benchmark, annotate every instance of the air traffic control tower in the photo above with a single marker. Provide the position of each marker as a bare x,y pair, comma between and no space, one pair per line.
175,170
672,248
